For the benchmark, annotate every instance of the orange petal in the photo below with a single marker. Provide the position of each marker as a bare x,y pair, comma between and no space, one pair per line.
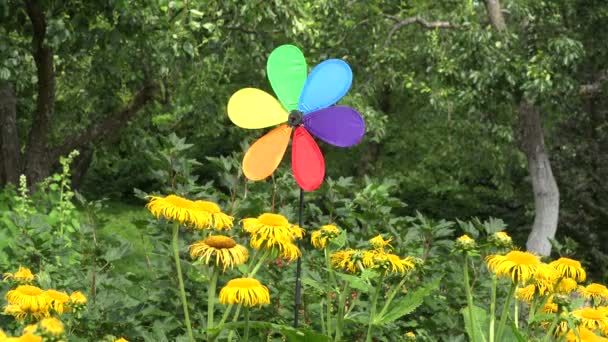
265,155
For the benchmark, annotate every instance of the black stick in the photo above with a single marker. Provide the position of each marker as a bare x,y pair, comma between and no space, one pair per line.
296,306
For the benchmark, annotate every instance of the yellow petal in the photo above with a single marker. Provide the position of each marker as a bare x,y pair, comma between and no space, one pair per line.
255,108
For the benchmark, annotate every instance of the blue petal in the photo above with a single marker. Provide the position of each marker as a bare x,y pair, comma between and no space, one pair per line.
327,83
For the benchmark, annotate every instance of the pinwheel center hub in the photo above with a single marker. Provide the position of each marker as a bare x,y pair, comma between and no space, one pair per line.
295,119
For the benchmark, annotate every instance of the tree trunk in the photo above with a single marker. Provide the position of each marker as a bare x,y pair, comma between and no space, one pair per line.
546,193
37,162
495,15
9,137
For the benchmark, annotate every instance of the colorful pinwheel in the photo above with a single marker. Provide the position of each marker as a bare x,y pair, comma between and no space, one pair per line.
306,105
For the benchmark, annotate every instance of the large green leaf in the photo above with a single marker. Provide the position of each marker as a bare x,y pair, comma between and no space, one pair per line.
480,322
407,304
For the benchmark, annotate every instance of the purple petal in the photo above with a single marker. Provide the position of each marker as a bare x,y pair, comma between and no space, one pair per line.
338,125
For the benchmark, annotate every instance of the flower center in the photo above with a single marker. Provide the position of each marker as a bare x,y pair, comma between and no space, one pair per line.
273,220
522,258
220,242
29,290
207,206
244,283
177,201
295,119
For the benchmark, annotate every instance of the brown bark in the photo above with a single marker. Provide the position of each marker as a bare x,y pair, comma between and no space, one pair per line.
9,137
546,192
495,14
37,162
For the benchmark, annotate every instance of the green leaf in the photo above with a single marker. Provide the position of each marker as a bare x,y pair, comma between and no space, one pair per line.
292,334
480,321
407,304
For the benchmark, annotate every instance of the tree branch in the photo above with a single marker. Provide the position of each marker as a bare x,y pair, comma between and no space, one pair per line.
400,23
112,124
595,87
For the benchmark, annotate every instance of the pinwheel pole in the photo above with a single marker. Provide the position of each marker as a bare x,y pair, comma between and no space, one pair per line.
298,294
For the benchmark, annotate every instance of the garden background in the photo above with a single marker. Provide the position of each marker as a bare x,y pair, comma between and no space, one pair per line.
482,116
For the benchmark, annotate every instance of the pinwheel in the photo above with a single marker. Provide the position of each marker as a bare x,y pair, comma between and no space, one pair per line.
305,105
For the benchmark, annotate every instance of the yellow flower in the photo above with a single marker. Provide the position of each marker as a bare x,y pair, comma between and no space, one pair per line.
570,269
597,292
28,297
519,266
57,300
526,294
378,242
217,219
566,286
78,298
585,334
465,243
410,336
592,318
545,278
27,337
30,329
550,307
501,239
387,261
23,275
2,335
289,251
245,291
52,326
122,339
320,237
15,311
273,230
198,214
225,250
347,259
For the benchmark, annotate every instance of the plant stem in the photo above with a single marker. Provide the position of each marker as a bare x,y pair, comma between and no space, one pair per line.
181,280
329,290
467,287
211,298
246,324
516,309
340,316
505,312
234,319
391,296
551,328
493,307
372,314
259,264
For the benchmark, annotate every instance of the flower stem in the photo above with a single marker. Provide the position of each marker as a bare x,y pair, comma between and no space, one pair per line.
391,296
211,297
181,280
259,264
234,319
329,290
246,324
493,307
516,309
505,312
372,313
467,287
340,317
551,328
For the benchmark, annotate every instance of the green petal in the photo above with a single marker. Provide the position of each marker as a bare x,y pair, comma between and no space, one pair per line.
287,73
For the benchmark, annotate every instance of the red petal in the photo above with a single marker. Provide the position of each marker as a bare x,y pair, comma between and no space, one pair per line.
307,160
